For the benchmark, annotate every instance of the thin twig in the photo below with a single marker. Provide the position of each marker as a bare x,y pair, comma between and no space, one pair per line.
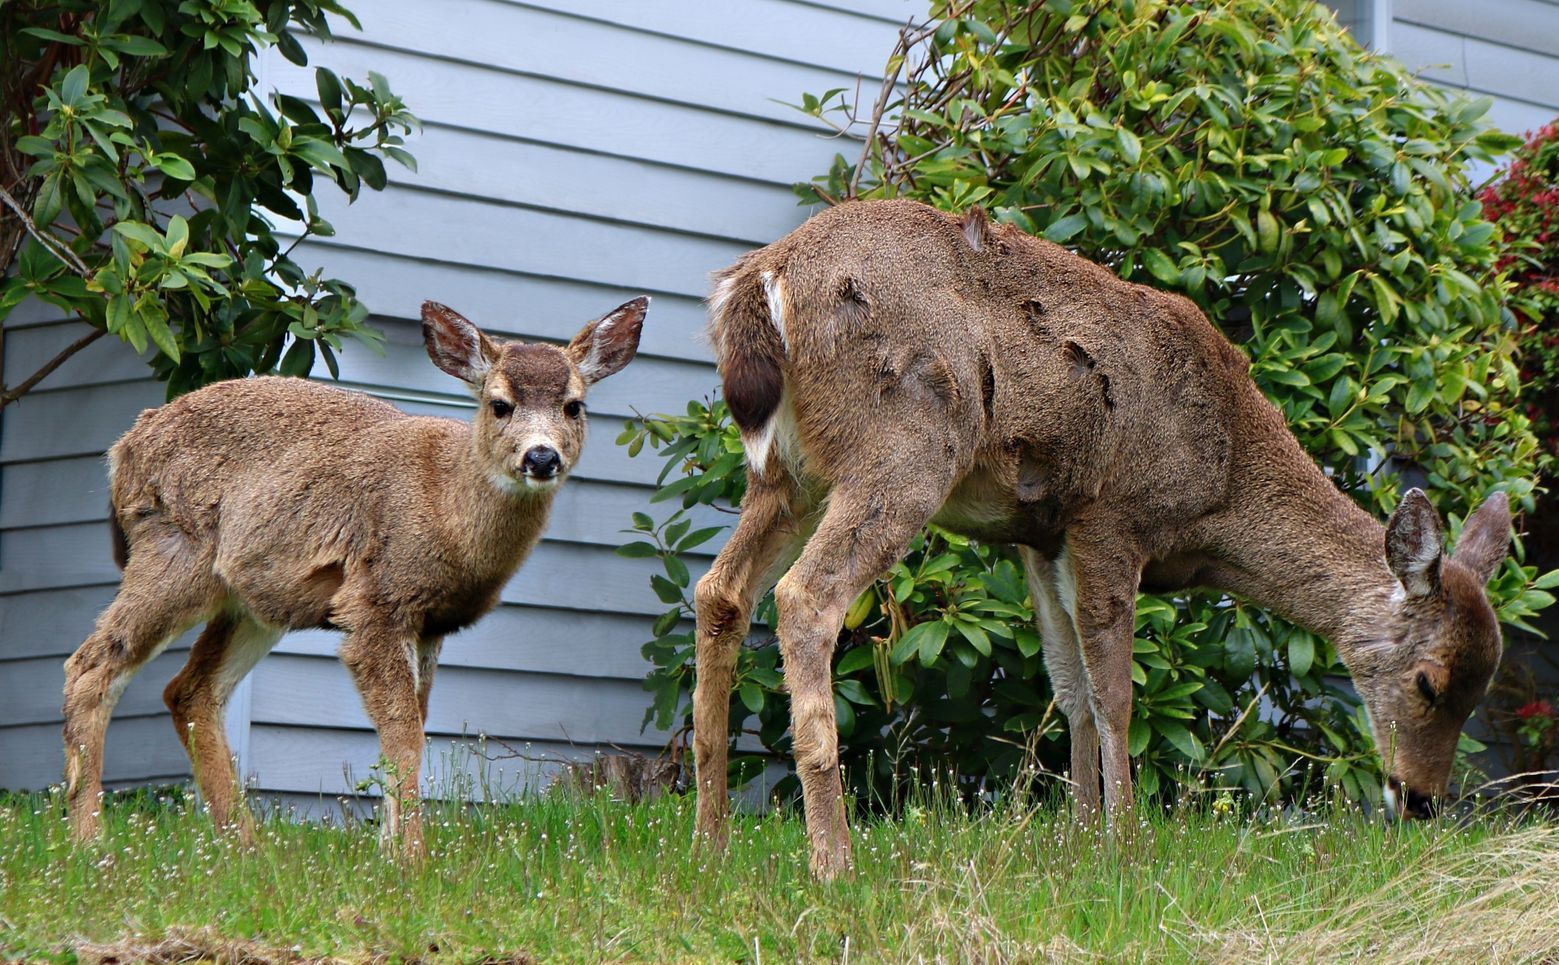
7,396
900,55
1234,728
44,238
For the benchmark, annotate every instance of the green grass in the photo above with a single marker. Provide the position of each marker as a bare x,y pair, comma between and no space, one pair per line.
589,879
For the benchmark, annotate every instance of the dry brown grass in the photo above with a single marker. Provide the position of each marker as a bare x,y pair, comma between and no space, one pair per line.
1498,903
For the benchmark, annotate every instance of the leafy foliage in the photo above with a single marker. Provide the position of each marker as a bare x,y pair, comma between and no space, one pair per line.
1525,204
143,177
1313,199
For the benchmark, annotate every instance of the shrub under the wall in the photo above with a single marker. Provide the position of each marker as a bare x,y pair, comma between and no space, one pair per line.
1313,199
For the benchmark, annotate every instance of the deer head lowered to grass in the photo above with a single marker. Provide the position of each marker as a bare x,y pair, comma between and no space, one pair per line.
272,504
890,365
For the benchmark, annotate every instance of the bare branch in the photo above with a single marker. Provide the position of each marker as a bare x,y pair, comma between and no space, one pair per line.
59,251
7,396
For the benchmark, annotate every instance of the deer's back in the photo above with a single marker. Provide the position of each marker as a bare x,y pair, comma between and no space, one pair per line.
1073,386
186,455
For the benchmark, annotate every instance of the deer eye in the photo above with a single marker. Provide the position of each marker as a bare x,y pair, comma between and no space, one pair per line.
573,408
1426,688
501,409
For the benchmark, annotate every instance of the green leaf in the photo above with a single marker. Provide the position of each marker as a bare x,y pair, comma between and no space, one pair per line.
637,550
1267,231
142,234
1301,653
752,697
1184,741
1161,266
74,86
1138,733
665,590
976,635
1063,229
1131,147
698,538
155,318
676,570
174,166
855,659
1548,581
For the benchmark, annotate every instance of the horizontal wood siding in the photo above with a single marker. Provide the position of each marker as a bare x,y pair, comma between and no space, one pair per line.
1505,49
575,154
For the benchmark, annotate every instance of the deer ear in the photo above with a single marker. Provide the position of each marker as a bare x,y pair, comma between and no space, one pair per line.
455,345
1485,537
1413,544
976,226
609,343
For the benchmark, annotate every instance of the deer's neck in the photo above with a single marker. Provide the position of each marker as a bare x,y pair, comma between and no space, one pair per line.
1305,551
496,520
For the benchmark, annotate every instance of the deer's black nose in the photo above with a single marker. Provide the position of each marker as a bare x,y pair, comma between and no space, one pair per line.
541,462
1414,804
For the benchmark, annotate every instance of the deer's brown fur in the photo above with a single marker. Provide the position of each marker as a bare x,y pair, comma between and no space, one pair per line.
271,504
890,365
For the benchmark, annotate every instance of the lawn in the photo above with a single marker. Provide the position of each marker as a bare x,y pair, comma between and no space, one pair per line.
562,878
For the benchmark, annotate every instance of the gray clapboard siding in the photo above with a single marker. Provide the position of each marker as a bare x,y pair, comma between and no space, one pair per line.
298,689
511,303
482,165
53,492
1478,65
852,39
49,623
530,639
106,360
616,58
1523,24
475,232
1436,39
138,750
30,689
587,119
74,421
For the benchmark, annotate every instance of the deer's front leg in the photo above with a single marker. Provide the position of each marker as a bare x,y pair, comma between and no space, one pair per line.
724,600
383,664
1105,579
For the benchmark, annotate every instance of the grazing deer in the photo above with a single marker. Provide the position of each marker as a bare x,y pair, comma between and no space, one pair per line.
272,504
890,365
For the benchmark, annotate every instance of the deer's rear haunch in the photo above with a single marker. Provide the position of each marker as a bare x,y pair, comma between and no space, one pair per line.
271,504
890,365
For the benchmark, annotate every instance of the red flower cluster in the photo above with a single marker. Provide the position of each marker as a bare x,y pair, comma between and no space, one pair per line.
1525,204
1537,708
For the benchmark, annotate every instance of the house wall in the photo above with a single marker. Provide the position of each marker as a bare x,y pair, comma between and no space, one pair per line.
576,153
1505,49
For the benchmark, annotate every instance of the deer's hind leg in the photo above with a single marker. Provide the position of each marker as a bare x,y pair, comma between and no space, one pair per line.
1105,574
866,529
724,599
229,647
165,590
1068,677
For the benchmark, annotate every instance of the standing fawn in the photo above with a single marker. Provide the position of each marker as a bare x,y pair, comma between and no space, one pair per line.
889,365
272,504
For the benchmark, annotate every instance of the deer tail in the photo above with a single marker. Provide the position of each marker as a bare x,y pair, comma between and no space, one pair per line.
747,325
